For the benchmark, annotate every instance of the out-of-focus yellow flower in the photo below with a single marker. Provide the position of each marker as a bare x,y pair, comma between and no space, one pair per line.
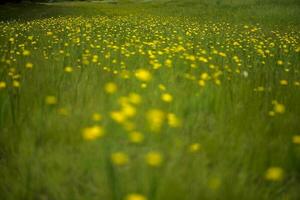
128,110
173,120
283,82
29,65
154,159
68,69
118,116
134,98
296,139
162,87
204,76
92,132
110,87
155,119
166,97
2,84
143,75
16,84
135,196
279,62
279,108
136,137
119,158
51,100
274,174
195,147
201,83
26,53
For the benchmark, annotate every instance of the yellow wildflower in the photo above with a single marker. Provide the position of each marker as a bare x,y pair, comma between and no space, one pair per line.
136,137
154,159
135,196
155,119
2,84
296,139
166,97
68,69
51,100
274,174
119,158
93,132
195,147
110,87
143,75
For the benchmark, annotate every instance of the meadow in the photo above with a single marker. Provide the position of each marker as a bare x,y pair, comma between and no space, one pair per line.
161,100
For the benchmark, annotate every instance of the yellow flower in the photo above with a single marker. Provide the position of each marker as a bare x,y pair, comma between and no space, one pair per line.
119,158
118,116
283,82
173,120
135,196
166,97
16,84
296,139
2,84
143,75
201,83
26,53
195,147
136,137
274,174
128,110
29,65
68,69
279,108
204,76
110,87
154,159
51,100
279,62
134,98
92,132
155,119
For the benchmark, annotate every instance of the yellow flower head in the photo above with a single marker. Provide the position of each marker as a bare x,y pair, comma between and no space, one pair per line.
173,120
92,132
296,139
135,196
29,65
119,158
166,97
195,147
51,100
154,159
143,75
68,69
118,116
274,174
2,84
110,87
136,137
134,98
279,108
155,119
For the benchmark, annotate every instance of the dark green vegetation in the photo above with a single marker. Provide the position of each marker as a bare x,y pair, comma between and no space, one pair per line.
165,100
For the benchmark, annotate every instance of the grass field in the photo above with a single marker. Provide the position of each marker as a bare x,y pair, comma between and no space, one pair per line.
165,100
